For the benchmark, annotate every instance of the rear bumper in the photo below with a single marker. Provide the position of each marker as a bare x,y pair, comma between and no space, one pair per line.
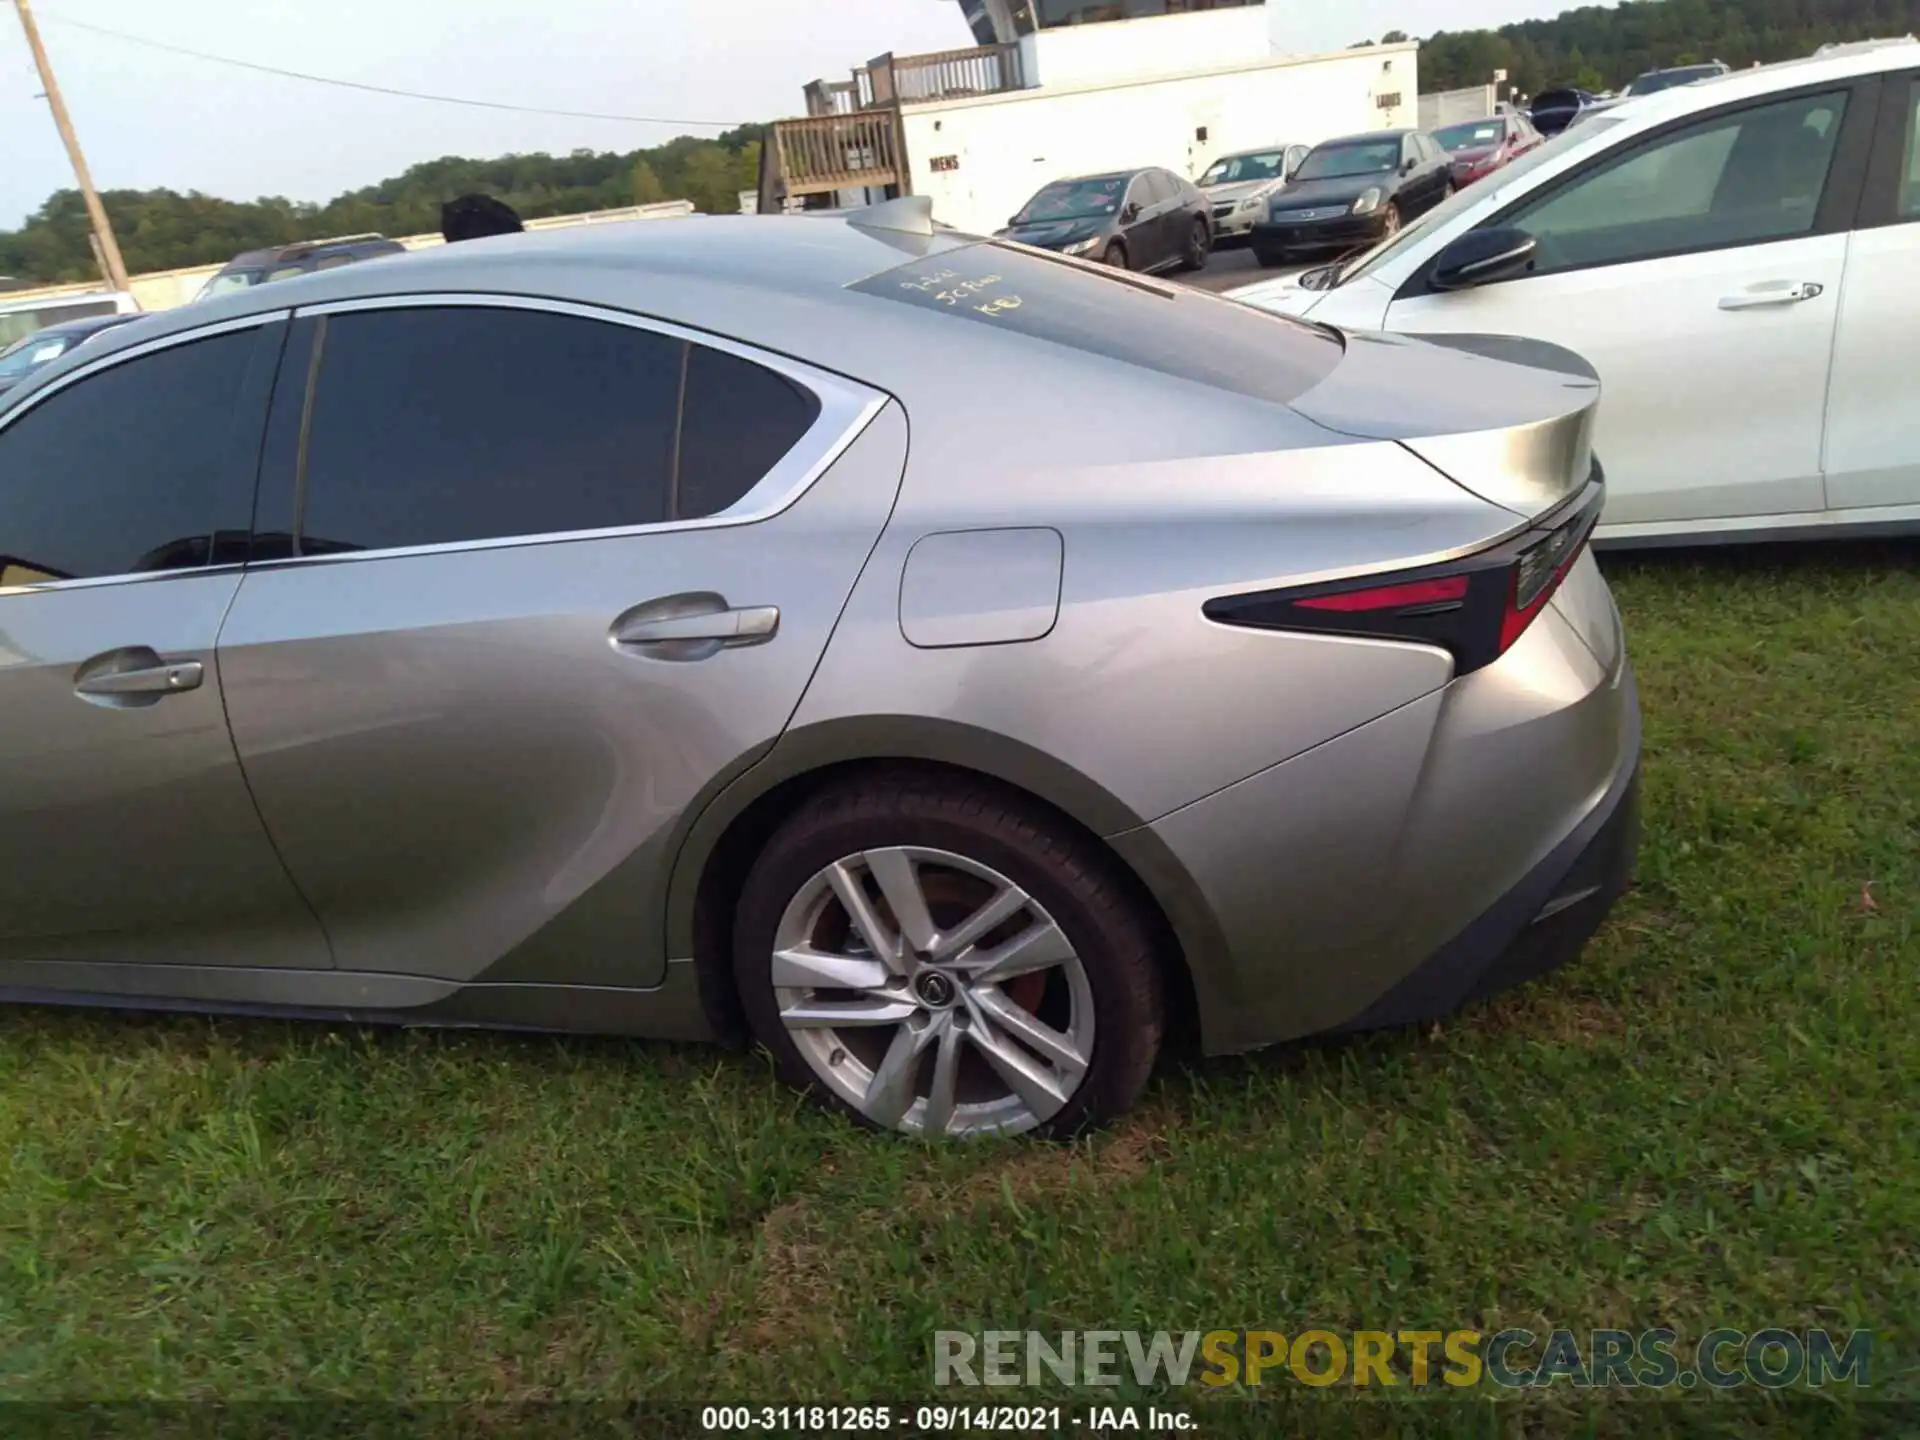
1398,870
1536,927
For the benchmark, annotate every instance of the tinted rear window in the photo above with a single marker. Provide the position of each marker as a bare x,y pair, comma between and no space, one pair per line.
739,420
444,425
1175,331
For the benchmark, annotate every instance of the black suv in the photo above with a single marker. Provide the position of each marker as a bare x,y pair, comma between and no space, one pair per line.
283,262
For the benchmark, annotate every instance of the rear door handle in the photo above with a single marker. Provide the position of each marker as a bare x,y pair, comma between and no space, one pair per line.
133,677
750,625
1779,293
694,626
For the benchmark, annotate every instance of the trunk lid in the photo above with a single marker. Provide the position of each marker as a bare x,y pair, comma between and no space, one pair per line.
1509,420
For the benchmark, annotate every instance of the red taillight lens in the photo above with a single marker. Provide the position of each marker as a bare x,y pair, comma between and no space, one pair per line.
1476,607
1537,573
1419,594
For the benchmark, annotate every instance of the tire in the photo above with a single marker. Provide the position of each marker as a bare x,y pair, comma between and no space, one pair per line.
1115,255
1089,1024
1266,257
1390,221
1199,248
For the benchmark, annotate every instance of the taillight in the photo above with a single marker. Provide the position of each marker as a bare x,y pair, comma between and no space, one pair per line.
1537,573
1476,607
1417,595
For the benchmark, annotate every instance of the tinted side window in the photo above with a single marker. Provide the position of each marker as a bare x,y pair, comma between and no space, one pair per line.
441,425
1739,179
740,419
128,471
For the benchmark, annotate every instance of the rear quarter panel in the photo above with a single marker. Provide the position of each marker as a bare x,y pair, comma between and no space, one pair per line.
1133,687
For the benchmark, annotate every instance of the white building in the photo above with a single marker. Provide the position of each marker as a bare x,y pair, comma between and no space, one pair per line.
1075,87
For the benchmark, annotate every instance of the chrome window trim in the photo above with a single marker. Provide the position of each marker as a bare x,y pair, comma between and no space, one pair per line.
847,408
136,352
107,362
142,577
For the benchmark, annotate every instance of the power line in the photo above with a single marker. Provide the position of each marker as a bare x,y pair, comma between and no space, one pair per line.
386,89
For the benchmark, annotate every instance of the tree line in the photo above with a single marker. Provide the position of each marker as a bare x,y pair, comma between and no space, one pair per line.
166,230
1602,49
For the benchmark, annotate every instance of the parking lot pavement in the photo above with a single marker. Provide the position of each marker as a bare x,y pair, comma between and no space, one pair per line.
1234,266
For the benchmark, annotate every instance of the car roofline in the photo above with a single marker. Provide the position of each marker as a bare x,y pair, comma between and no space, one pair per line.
1364,137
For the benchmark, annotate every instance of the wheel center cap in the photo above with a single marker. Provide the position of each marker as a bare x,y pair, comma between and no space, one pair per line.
935,990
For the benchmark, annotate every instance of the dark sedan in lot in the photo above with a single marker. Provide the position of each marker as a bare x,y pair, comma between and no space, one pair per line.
1147,219
43,347
1352,192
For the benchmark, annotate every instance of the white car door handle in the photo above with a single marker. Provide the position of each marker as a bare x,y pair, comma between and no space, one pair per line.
1778,293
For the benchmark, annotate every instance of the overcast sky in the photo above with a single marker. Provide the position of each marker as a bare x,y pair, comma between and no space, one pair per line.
150,119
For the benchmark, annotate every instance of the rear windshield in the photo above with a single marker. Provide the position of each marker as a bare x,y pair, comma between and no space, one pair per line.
1469,136
1165,328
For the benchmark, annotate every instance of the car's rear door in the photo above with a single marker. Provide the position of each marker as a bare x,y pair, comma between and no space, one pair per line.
1436,171
1149,235
1189,205
532,580
1872,442
127,836
1699,270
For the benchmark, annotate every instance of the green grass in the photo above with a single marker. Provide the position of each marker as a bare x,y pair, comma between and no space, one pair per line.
1709,1120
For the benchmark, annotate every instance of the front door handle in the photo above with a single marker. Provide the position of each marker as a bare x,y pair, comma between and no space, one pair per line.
693,627
1778,293
136,676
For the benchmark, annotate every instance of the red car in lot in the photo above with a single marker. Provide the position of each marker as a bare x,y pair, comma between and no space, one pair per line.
1480,147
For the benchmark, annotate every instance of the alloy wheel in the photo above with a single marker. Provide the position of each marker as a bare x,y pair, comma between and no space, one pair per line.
932,993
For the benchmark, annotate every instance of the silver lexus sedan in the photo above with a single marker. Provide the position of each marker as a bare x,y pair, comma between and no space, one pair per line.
953,666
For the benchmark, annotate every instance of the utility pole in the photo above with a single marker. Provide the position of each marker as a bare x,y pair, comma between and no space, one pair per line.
108,248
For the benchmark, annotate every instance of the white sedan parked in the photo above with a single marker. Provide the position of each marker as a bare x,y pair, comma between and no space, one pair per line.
1739,260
